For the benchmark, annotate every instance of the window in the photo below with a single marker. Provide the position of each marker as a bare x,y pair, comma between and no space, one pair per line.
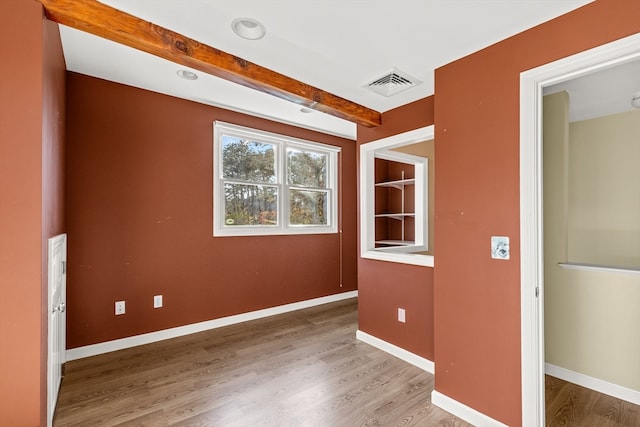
266,183
394,198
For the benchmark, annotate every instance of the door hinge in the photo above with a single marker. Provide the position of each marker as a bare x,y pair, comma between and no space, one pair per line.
537,292
64,267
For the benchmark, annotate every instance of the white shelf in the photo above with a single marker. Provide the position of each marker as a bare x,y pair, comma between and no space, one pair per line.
398,216
399,184
396,242
406,249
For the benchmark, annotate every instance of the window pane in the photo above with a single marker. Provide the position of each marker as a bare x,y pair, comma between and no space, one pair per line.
308,207
306,169
250,205
248,160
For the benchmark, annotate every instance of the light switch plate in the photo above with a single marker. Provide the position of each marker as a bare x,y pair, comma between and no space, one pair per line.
157,301
499,247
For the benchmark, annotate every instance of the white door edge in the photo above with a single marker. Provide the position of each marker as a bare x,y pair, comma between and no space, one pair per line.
57,246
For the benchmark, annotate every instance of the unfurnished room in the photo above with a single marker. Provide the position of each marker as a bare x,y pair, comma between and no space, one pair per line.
325,214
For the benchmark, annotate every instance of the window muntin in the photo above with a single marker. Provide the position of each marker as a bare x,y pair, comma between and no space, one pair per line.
272,184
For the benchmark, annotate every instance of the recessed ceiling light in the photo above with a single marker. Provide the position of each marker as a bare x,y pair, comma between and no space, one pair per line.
187,75
248,28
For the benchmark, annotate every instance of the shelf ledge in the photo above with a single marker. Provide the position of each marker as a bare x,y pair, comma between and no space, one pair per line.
597,267
402,258
395,242
397,216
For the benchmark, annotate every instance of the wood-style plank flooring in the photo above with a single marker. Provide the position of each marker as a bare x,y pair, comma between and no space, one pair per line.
297,369
569,405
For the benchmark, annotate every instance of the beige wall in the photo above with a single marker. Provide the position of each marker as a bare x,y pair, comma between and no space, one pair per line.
425,149
604,190
592,321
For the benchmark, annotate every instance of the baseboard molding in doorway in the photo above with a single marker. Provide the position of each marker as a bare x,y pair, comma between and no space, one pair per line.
601,386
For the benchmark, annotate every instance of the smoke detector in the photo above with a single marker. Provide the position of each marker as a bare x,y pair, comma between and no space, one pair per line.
392,83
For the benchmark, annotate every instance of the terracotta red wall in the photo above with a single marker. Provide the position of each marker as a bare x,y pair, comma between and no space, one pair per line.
139,209
31,202
383,287
477,299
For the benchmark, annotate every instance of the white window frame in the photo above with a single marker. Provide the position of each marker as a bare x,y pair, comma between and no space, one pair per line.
368,154
282,143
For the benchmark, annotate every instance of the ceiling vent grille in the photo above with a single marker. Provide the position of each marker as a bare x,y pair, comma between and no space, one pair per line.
392,83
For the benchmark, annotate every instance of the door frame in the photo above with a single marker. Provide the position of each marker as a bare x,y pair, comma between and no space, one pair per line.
54,243
532,83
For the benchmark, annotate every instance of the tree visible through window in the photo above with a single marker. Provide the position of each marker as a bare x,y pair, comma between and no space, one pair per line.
248,168
270,184
307,177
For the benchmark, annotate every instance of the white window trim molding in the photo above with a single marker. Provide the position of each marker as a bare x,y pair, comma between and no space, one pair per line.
532,83
367,194
282,142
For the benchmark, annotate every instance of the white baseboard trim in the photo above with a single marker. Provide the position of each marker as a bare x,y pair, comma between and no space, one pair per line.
601,386
462,411
119,344
396,351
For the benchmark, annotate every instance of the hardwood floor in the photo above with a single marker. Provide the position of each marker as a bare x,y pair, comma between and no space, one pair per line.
298,369
569,405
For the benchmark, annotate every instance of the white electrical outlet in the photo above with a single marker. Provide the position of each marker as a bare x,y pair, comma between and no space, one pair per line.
157,301
120,309
401,315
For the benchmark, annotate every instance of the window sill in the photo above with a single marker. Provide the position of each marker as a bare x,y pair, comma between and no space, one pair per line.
291,231
403,258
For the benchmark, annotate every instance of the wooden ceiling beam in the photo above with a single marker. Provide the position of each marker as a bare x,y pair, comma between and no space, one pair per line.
104,21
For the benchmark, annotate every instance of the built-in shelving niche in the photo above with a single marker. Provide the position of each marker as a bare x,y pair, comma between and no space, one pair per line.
394,191
395,209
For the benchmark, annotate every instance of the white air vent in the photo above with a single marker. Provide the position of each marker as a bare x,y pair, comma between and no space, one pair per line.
394,82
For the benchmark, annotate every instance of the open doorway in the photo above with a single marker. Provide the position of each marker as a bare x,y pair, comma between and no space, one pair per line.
532,85
591,241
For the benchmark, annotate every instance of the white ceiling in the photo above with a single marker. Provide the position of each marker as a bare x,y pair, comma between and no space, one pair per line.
336,45
601,93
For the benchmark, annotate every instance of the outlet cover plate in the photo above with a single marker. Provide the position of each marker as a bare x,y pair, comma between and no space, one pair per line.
401,315
499,247
120,308
157,301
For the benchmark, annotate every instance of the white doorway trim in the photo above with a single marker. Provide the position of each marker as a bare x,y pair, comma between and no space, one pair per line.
531,260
